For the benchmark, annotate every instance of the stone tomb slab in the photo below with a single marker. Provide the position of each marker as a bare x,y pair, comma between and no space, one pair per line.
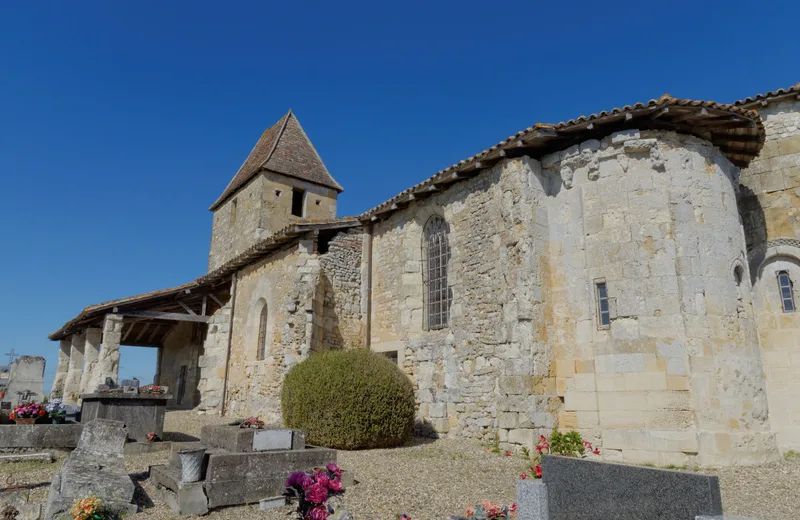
245,440
580,489
40,435
141,413
246,478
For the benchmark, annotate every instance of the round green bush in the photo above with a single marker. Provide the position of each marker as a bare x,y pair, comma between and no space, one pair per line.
349,399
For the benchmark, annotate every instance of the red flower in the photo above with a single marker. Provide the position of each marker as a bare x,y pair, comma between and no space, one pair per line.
538,471
513,508
41,413
596,451
508,453
12,416
524,476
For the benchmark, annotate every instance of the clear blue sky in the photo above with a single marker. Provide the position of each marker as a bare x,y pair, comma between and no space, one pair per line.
121,122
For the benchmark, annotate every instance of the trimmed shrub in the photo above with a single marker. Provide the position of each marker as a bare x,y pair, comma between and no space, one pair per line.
349,399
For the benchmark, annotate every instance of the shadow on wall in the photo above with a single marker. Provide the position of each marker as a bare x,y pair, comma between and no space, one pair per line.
332,339
754,223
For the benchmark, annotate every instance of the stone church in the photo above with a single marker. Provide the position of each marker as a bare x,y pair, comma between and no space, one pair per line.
630,274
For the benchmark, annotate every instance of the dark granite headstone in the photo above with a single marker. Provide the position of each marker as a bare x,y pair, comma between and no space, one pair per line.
580,489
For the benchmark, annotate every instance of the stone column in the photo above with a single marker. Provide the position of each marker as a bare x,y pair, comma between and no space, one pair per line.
159,356
72,383
61,369
91,354
108,360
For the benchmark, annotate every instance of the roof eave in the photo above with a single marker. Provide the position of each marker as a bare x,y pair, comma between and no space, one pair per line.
665,113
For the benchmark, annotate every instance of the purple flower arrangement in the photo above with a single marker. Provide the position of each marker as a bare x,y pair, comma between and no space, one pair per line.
313,491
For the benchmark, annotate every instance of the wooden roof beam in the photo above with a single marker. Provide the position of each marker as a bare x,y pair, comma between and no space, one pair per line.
171,316
703,113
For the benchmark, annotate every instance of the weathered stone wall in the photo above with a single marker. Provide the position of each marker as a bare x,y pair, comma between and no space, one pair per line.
677,376
342,321
770,197
211,363
482,367
286,282
263,206
183,346
770,208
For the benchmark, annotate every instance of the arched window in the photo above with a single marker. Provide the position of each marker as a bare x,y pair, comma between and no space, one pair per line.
785,287
436,254
262,334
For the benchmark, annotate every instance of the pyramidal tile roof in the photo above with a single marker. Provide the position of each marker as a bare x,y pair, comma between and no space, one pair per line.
283,148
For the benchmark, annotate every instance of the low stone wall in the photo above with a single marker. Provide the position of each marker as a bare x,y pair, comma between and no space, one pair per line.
39,436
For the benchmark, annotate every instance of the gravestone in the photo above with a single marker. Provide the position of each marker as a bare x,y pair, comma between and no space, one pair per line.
95,468
580,489
532,500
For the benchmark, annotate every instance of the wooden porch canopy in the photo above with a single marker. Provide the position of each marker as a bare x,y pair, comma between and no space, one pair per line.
149,317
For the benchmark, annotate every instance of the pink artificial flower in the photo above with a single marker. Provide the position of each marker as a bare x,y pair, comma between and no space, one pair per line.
333,468
470,512
322,478
335,485
318,513
317,494
306,482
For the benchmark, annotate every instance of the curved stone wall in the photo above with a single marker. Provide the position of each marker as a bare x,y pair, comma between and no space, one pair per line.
676,377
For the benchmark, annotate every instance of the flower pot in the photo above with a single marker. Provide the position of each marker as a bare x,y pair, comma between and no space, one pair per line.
25,420
191,464
57,420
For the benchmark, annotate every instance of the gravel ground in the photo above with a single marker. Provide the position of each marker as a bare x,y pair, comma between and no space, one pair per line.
429,479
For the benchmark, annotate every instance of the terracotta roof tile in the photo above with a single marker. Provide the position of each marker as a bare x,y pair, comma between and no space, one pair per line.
767,96
283,148
543,138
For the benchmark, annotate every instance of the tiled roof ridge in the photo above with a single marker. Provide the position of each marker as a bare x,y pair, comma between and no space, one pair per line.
769,95
232,185
283,148
663,102
285,234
